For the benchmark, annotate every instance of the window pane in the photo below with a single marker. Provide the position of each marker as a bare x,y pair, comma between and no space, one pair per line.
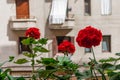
87,7
87,50
106,44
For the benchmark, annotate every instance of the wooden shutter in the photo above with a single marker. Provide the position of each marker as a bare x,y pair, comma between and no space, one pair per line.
22,9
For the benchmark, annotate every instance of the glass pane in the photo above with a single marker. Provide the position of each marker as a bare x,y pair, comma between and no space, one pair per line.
106,44
87,7
87,50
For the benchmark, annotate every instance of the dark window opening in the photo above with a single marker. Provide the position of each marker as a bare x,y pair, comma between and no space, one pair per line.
22,47
61,38
106,44
87,6
87,50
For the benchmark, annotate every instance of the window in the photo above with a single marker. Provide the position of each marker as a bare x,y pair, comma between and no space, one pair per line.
58,11
61,38
23,48
87,50
106,44
22,9
87,6
106,7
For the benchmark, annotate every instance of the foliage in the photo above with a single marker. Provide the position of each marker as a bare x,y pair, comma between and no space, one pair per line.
55,70
4,73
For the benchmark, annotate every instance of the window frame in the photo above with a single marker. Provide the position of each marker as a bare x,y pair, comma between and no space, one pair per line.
108,44
87,7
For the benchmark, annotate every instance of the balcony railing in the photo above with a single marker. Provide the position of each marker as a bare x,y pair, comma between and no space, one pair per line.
22,23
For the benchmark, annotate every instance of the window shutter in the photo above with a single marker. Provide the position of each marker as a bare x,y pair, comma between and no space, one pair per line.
22,9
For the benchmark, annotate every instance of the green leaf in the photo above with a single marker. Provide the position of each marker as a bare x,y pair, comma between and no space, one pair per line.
83,75
48,61
118,66
29,55
118,54
111,59
10,77
107,66
111,73
43,41
21,61
115,77
40,49
45,73
62,59
27,41
20,78
11,58
85,65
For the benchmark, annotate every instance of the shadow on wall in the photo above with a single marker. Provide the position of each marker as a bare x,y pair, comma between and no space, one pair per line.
10,33
13,35
10,1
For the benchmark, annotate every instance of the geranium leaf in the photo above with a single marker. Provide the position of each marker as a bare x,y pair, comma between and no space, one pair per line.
108,66
48,61
26,41
29,55
40,49
118,66
11,58
43,41
21,61
115,77
111,59
10,77
118,54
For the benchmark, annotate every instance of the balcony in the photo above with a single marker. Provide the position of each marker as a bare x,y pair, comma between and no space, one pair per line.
22,24
68,24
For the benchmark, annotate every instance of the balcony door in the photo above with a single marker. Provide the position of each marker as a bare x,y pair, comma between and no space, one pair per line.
22,9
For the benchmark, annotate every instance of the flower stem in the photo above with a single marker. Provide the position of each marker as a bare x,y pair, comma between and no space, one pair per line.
94,55
33,68
33,62
95,62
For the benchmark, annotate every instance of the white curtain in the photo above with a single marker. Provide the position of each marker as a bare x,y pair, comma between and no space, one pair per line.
58,12
105,7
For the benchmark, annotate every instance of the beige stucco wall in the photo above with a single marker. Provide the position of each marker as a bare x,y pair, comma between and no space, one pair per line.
109,25
9,37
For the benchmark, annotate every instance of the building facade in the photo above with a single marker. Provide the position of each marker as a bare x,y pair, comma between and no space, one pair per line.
18,15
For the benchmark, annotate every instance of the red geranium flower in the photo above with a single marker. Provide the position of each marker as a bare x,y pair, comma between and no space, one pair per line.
89,37
66,46
33,32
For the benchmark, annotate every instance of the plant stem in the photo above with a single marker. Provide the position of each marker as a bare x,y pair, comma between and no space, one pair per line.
94,55
33,62
95,62
102,73
33,67
95,75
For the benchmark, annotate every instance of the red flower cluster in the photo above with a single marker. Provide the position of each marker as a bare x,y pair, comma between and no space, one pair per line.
89,37
66,46
33,32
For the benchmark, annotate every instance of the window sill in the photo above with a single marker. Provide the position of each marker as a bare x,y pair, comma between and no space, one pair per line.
68,24
22,24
